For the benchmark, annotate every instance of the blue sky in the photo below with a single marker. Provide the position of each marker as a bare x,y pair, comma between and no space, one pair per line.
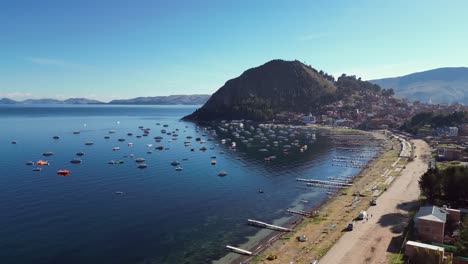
107,49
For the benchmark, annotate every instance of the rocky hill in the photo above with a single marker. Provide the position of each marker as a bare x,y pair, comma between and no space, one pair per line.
195,99
261,92
442,85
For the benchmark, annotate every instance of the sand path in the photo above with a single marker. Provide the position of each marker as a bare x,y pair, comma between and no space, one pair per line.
372,240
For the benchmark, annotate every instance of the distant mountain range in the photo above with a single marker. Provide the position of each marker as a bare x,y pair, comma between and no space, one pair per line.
195,99
157,100
442,85
51,101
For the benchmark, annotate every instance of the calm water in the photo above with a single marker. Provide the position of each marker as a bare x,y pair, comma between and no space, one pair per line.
164,216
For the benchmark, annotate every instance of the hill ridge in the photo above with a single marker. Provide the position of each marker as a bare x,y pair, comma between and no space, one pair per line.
440,85
262,92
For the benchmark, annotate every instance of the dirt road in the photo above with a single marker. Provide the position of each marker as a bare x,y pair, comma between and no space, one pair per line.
373,239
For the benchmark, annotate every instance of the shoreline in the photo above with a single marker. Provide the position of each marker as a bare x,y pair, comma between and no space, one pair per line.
274,237
267,242
382,236
324,234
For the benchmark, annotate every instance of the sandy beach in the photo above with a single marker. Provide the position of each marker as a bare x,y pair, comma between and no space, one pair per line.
371,239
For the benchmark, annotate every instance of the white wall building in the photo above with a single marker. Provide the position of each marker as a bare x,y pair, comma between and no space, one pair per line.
453,132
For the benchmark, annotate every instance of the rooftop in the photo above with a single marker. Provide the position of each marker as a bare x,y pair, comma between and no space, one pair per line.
432,213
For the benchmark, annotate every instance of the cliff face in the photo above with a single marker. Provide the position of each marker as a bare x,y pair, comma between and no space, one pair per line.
261,92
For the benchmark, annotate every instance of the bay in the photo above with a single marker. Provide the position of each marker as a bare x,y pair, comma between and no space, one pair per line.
117,213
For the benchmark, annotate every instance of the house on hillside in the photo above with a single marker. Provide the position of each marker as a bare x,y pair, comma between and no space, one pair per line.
430,222
435,226
453,153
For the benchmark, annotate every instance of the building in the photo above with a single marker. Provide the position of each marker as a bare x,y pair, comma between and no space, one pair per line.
448,153
430,223
310,119
452,153
420,252
433,225
453,132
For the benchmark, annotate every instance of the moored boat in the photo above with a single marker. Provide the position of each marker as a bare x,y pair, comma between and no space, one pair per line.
63,172
142,166
75,161
42,162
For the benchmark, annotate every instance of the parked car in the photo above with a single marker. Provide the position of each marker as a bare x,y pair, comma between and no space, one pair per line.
362,215
301,238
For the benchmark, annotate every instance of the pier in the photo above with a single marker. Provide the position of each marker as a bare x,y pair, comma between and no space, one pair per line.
239,250
322,182
310,184
303,213
269,226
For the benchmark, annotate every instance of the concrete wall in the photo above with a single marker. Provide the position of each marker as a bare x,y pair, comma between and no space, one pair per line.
422,255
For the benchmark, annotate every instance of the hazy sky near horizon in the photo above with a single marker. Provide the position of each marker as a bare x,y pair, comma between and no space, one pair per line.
107,49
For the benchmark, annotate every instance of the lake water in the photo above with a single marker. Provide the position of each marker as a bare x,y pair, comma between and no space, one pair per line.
163,215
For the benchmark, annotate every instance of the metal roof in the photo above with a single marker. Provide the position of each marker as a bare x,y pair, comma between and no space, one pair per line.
432,213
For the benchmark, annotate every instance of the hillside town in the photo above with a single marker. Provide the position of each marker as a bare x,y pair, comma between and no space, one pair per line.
435,230
372,111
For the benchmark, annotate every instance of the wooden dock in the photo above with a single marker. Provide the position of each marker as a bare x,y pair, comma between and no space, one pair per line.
269,226
303,213
333,183
239,250
310,184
